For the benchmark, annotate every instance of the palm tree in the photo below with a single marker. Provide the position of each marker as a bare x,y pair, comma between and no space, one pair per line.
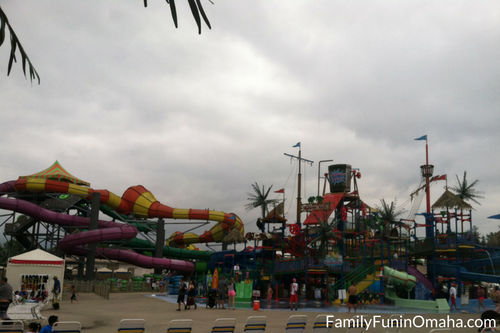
324,232
388,214
259,199
195,6
467,191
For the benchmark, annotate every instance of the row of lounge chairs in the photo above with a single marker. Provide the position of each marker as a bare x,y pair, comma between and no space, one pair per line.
254,324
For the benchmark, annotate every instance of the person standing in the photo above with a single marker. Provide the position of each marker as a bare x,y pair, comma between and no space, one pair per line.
5,297
269,294
495,296
56,290
480,298
294,294
73,294
231,293
453,297
222,293
353,297
236,271
182,294
191,296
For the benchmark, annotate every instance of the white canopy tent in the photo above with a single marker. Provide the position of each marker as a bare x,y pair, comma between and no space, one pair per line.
35,269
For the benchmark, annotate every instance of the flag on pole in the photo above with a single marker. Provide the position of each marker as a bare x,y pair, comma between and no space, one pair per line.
424,137
443,177
297,145
280,191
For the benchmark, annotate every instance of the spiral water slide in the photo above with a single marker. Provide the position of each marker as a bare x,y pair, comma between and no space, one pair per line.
136,199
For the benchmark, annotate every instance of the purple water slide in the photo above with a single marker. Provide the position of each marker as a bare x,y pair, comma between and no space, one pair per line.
108,231
421,277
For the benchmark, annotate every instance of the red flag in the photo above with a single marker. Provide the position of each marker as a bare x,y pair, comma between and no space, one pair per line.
443,177
280,191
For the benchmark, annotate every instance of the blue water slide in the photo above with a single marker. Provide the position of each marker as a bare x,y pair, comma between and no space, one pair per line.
451,271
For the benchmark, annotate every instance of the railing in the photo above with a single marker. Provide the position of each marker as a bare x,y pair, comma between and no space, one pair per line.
356,276
297,265
102,290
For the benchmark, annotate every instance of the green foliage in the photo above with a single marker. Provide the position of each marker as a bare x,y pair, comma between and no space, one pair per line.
259,199
467,191
9,249
324,232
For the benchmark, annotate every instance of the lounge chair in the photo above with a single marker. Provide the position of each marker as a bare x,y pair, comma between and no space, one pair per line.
321,325
256,324
395,323
441,330
224,325
132,326
180,326
356,325
11,326
67,327
296,324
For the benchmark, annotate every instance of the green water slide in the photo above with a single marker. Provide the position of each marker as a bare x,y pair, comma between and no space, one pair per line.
120,217
243,292
168,251
440,305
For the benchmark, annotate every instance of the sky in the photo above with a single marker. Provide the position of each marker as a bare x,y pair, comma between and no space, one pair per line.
127,99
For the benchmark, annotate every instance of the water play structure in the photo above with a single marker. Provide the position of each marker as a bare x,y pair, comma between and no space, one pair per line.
341,241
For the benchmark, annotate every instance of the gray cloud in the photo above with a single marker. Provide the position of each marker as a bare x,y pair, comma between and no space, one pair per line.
128,99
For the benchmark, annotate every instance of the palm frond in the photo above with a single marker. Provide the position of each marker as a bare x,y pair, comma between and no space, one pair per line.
196,10
259,199
15,45
466,191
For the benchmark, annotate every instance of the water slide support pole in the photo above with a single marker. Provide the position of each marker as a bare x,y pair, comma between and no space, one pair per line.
93,225
160,241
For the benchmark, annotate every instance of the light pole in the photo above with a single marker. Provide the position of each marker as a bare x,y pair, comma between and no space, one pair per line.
319,166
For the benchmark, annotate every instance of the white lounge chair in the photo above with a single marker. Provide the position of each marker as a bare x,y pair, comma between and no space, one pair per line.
180,326
395,323
132,326
321,325
11,326
356,325
224,325
27,312
296,324
67,327
256,324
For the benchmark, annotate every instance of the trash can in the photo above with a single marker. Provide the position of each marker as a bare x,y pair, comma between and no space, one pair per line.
256,305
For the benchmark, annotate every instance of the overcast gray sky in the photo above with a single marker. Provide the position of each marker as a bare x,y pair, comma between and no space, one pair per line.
127,99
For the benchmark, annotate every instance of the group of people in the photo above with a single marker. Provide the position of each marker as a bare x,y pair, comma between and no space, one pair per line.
189,289
228,289
157,285
495,297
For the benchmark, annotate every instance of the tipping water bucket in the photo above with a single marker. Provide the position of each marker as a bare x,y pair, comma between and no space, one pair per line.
256,305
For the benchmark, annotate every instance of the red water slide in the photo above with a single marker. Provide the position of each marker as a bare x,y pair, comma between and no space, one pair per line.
75,243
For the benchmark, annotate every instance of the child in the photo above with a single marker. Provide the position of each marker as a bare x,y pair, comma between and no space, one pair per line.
34,328
269,294
73,294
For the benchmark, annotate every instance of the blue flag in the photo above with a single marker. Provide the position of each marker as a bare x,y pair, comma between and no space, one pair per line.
424,137
297,145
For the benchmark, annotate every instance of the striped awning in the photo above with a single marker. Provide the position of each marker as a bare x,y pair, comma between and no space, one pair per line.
56,171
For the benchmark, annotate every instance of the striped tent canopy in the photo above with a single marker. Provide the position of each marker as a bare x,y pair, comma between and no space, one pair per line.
56,171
